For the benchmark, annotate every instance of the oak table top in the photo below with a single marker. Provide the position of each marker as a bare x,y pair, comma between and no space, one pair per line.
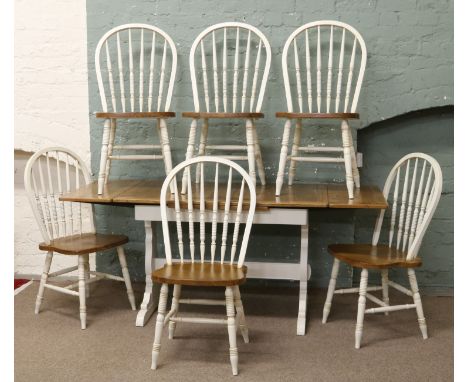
147,192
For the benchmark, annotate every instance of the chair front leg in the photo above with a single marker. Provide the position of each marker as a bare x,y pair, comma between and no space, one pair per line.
347,158
202,146
189,153
166,147
240,314
250,150
87,274
175,308
361,307
110,148
355,169
258,156
231,326
159,325
44,277
126,276
331,290
82,289
283,157
385,297
103,160
417,302
294,151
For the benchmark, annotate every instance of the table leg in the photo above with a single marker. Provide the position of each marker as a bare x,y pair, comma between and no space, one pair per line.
303,277
148,305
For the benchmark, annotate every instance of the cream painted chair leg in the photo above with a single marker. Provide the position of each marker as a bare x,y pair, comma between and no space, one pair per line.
159,325
361,307
126,276
189,153
104,151
385,297
347,158
283,157
44,276
258,156
250,149
82,289
110,148
295,150
174,308
202,146
356,177
240,314
417,302
331,290
231,326
166,147
87,274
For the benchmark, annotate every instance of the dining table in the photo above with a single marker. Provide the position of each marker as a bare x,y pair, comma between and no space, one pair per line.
292,208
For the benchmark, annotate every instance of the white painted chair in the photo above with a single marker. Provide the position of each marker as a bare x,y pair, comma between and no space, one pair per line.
230,203
230,62
145,59
67,227
412,190
330,57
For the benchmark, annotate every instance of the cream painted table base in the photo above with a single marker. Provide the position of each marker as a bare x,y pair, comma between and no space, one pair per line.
261,270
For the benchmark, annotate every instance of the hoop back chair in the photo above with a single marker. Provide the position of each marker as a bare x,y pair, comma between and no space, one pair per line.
210,262
322,73
229,67
68,227
145,59
413,190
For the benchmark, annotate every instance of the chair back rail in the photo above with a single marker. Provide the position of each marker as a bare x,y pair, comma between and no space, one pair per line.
146,61
230,62
412,190
49,173
330,57
236,208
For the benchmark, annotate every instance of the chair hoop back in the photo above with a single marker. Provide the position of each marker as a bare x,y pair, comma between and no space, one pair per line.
315,44
127,92
412,189
229,205
221,75
49,173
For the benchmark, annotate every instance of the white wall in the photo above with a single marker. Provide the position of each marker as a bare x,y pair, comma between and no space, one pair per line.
51,103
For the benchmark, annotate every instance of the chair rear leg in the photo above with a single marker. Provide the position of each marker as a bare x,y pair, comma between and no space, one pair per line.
361,307
294,151
240,313
126,276
44,276
202,147
417,302
110,149
347,158
355,169
103,160
175,308
189,153
331,290
166,147
250,150
82,289
87,274
231,326
385,297
283,157
258,156
159,326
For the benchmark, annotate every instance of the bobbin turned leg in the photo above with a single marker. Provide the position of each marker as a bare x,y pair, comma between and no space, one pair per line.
417,302
159,326
82,289
283,157
103,161
189,153
258,156
385,297
347,158
202,146
175,309
294,151
126,276
44,276
240,314
355,170
331,290
251,150
361,307
231,326
87,274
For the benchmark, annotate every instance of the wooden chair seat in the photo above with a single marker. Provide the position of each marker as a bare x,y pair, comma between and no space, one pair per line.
369,256
201,274
82,244
190,114
282,114
136,115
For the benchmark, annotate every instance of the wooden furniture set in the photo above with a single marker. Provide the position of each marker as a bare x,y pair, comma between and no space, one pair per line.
205,193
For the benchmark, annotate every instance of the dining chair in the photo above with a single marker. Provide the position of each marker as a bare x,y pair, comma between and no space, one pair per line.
145,59
412,189
68,227
230,62
330,57
214,262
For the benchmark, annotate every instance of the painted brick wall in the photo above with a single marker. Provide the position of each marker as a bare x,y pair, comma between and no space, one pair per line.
410,67
51,103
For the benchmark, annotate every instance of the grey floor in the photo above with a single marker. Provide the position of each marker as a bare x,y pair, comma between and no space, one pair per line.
51,347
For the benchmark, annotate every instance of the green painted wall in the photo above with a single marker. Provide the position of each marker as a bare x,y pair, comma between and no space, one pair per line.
410,67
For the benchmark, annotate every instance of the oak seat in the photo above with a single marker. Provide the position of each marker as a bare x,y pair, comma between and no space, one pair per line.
200,274
81,244
372,256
